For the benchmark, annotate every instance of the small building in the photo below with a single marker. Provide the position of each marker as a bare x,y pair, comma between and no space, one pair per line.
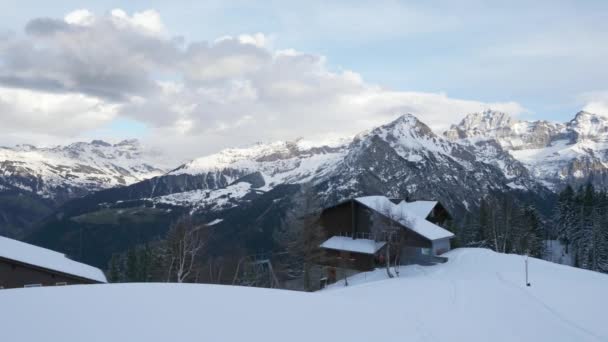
25,265
360,229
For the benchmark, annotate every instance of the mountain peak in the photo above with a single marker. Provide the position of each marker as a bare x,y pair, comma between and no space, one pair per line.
584,115
406,123
486,120
100,143
589,126
479,124
405,119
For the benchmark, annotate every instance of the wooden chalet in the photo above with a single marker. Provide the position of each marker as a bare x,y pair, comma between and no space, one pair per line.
25,265
359,229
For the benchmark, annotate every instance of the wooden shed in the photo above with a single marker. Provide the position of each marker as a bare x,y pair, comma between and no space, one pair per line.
25,265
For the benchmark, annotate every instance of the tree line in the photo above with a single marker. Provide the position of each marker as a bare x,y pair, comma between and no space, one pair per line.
581,224
500,223
503,225
183,256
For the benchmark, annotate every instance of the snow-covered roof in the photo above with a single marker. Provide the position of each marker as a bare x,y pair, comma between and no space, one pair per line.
348,244
419,208
46,258
411,216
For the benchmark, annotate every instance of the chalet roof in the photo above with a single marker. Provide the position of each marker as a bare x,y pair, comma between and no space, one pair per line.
348,244
409,214
419,208
48,259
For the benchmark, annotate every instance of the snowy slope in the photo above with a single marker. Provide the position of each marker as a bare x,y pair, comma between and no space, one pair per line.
69,171
234,173
477,295
278,162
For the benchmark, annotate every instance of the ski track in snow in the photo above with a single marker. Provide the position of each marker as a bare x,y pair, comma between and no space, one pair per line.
549,309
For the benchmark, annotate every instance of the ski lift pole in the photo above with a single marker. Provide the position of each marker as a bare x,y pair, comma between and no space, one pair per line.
526,262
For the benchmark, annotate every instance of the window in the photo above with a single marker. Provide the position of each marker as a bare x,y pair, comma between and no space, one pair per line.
32,285
61,283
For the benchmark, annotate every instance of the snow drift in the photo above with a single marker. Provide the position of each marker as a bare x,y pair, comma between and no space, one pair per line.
478,295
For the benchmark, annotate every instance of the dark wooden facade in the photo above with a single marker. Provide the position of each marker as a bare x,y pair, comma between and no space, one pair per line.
350,260
439,215
15,274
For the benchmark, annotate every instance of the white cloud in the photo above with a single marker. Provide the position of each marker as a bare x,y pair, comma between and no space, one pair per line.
149,21
80,17
32,111
596,102
197,97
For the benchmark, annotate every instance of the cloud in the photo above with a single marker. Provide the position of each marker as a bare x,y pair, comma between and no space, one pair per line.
32,111
112,56
596,102
194,97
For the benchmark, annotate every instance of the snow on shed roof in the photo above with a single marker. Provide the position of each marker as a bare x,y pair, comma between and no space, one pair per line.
410,216
419,208
345,243
46,258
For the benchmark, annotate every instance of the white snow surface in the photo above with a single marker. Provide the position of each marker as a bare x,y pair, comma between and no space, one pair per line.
344,243
214,222
407,215
419,208
46,258
477,296
208,198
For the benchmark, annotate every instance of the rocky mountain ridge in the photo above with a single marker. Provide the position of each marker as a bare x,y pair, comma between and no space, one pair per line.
575,152
64,172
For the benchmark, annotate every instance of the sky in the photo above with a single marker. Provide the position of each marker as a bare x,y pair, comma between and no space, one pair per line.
193,77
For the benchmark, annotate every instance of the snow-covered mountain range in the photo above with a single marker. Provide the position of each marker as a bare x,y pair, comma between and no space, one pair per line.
486,151
247,192
556,154
65,172
402,157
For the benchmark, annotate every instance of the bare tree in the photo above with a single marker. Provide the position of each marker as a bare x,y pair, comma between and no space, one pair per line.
389,228
398,241
185,241
300,236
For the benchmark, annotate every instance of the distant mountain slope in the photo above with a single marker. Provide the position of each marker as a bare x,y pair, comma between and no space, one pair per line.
557,154
35,181
250,189
477,296
403,158
65,172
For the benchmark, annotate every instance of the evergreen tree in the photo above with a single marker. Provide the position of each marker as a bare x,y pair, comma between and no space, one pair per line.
469,233
566,216
132,265
144,263
114,272
530,233
485,222
582,220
